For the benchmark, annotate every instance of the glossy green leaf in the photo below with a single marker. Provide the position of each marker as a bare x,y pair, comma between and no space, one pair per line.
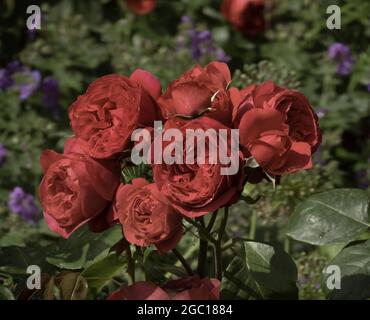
260,272
73,286
103,270
354,265
332,217
83,248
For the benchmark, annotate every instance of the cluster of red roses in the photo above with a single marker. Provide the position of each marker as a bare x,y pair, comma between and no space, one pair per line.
247,16
277,127
278,131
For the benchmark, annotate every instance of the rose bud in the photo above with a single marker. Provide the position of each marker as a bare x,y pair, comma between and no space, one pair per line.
111,108
277,127
247,16
141,7
75,188
146,216
199,91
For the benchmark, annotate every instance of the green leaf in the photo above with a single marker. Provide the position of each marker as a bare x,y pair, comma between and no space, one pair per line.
331,217
6,294
99,273
15,260
83,248
156,266
260,272
73,286
354,264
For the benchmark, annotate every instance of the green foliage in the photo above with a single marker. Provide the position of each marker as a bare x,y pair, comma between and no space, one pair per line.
332,217
260,272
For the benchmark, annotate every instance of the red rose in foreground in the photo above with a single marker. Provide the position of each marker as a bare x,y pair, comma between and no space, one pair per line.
245,15
189,288
111,108
277,127
199,91
197,189
75,188
141,7
146,216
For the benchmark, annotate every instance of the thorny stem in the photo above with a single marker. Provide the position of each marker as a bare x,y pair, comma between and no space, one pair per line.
130,264
203,247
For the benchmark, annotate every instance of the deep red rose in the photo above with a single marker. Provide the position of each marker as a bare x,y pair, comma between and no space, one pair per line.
193,288
146,216
111,108
141,7
139,291
245,15
189,288
75,188
199,91
278,127
196,189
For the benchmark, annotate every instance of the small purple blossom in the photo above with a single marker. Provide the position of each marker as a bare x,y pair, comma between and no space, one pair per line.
3,153
341,53
201,42
321,112
23,204
51,95
21,78
368,87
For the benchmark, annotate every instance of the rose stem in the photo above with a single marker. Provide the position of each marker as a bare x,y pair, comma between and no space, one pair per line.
218,244
183,261
130,264
203,247
203,244
202,231
252,228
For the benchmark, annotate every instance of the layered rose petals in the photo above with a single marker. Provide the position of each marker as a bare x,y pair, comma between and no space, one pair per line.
146,216
75,188
199,91
112,107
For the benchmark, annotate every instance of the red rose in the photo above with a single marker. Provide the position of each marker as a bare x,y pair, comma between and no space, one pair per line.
75,188
194,288
277,127
199,91
141,7
199,188
111,108
139,291
146,216
189,288
245,15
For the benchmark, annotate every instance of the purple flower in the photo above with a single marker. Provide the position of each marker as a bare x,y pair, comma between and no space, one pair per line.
201,42
21,78
3,153
321,112
51,95
23,204
28,86
341,53
368,87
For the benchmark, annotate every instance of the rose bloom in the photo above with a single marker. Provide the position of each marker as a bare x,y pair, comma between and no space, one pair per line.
112,107
141,7
196,189
146,216
199,91
245,15
277,127
75,189
189,288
